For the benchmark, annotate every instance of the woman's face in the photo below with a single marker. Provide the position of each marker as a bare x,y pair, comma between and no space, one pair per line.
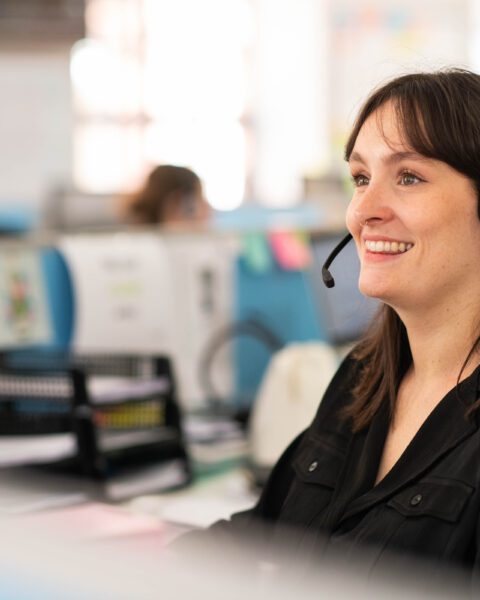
191,208
414,220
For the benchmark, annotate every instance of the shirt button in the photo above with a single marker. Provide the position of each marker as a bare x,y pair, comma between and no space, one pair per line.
415,500
313,466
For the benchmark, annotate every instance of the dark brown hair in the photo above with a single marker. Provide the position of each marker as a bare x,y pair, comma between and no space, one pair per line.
439,116
149,204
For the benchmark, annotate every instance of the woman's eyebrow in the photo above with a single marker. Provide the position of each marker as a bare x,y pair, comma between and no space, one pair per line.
394,157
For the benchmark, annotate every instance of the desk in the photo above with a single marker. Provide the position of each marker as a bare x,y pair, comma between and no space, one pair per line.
123,541
127,562
206,501
98,551
24,491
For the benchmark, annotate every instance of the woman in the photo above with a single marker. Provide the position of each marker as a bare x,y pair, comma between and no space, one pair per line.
171,195
391,461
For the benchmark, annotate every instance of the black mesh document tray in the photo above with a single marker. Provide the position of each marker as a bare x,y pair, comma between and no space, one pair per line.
121,410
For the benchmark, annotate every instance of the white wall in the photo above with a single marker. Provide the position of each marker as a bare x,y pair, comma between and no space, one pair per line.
35,123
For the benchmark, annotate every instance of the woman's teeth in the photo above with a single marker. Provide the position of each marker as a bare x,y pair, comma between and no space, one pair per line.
389,247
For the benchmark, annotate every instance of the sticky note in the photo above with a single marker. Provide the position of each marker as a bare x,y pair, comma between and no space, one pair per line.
291,249
256,252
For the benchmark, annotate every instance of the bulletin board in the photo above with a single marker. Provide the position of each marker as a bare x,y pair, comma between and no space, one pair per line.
374,40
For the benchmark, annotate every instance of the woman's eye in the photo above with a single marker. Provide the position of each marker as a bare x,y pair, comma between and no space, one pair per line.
359,180
407,178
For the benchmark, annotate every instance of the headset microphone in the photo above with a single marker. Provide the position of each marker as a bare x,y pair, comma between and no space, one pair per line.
327,277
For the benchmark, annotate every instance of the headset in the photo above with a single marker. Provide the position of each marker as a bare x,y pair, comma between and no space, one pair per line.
327,277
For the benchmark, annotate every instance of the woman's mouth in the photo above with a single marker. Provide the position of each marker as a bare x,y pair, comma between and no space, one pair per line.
387,247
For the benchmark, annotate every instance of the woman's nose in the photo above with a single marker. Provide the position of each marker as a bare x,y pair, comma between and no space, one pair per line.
373,206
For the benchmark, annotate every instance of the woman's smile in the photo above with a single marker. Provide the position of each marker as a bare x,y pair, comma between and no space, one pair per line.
378,249
386,246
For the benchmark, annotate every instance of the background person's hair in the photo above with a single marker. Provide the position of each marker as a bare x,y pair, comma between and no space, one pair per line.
164,185
438,115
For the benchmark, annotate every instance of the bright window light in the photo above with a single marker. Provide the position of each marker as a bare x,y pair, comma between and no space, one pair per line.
153,86
108,157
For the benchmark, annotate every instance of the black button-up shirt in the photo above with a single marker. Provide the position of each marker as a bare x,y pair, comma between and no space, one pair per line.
428,505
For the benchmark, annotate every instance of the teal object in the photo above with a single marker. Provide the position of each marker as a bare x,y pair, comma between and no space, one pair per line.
256,252
17,219
255,217
60,297
282,301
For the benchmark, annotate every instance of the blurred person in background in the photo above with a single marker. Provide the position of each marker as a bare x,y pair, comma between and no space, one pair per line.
390,465
170,196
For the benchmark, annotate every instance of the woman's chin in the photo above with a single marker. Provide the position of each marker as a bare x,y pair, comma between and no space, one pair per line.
375,289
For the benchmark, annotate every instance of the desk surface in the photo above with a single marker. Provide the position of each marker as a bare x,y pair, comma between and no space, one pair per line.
95,551
209,498
206,501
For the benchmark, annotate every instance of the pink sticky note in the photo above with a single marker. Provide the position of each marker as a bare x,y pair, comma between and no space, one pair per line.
291,249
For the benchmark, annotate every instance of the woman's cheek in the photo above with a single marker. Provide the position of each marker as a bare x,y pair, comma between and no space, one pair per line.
351,222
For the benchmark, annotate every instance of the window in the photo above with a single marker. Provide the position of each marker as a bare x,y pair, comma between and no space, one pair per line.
157,81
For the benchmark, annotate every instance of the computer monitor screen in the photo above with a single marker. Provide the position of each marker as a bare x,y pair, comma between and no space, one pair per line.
343,311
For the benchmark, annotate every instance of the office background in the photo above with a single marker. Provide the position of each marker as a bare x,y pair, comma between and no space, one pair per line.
257,97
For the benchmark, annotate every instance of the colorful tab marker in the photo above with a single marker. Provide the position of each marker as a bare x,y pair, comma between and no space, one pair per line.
291,249
257,253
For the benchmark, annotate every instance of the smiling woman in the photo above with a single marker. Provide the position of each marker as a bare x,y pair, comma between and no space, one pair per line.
391,460
414,160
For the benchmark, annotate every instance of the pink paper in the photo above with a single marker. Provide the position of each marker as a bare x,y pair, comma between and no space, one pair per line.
291,249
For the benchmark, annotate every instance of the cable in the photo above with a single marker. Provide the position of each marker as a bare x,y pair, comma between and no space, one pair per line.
252,327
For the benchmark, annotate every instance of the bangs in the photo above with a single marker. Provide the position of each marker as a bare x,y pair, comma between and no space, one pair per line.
415,124
412,126
438,116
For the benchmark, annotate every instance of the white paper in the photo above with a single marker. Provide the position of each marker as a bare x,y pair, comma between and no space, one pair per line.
103,389
29,449
206,503
203,429
203,512
162,476
216,452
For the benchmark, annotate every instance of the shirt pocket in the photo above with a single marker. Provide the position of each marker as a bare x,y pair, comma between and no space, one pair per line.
317,467
442,499
429,517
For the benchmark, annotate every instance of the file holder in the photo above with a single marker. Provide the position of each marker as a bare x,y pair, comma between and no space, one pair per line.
122,411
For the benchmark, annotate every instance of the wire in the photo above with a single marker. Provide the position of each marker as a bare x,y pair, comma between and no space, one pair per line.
252,327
